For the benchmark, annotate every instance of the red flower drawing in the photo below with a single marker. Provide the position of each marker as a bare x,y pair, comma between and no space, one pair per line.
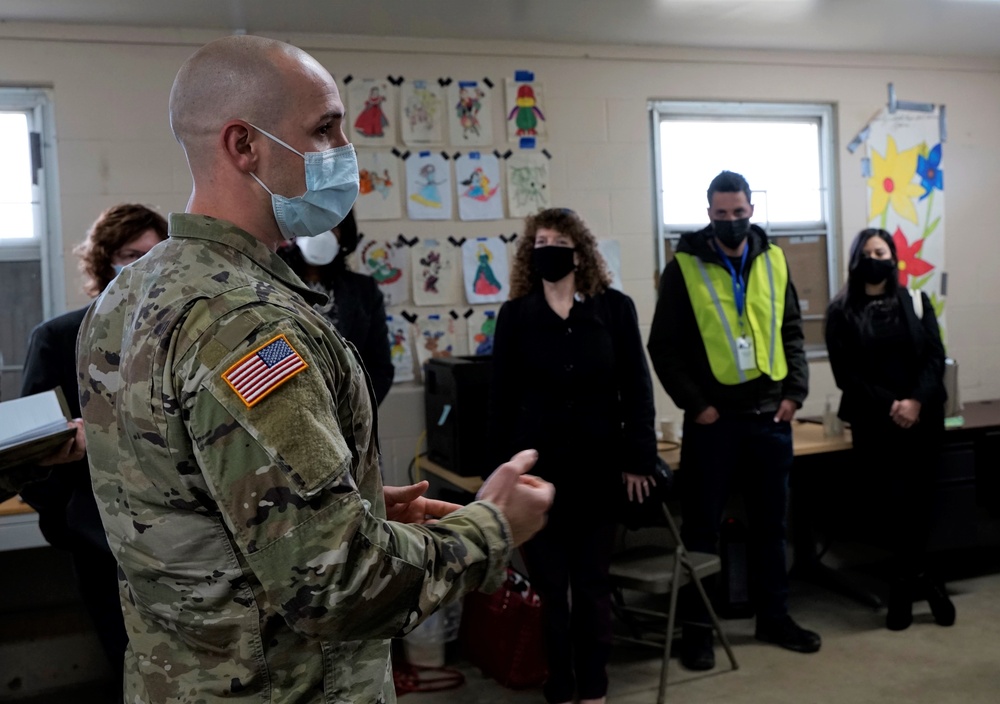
910,263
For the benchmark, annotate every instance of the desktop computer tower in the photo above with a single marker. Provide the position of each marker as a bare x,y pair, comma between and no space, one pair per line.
456,402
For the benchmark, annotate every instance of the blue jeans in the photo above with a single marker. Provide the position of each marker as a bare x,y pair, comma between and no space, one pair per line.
752,454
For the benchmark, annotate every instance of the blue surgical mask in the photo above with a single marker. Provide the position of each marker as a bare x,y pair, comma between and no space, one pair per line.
331,189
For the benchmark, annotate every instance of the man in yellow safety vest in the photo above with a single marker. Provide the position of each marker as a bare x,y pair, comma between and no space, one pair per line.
727,345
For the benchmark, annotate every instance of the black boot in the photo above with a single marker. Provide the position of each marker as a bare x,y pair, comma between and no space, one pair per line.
784,632
900,614
937,598
697,652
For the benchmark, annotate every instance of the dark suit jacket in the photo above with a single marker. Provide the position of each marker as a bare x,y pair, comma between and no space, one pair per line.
65,501
865,399
362,321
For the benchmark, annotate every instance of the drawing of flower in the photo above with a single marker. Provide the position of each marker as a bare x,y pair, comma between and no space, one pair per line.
891,181
910,263
928,168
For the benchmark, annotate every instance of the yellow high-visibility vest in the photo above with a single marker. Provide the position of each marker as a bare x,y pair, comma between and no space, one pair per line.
710,287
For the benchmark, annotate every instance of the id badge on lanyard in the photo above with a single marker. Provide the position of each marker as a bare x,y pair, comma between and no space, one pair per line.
744,353
745,357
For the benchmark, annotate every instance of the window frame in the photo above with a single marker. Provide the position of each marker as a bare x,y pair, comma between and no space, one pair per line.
662,110
46,245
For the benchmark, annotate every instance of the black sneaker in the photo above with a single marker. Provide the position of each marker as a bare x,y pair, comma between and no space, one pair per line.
784,632
696,648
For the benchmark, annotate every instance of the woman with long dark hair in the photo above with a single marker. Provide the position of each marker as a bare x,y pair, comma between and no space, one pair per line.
571,380
356,307
888,359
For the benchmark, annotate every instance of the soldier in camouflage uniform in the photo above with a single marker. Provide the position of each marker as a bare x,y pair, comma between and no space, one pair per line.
261,558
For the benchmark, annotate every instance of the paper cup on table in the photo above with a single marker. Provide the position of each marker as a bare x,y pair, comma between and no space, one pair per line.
668,430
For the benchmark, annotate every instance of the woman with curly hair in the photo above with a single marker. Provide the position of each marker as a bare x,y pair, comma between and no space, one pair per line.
571,380
121,234
68,515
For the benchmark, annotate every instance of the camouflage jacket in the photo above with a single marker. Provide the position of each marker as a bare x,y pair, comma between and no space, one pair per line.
233,448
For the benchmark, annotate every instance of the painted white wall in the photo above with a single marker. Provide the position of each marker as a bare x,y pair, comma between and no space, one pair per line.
111,86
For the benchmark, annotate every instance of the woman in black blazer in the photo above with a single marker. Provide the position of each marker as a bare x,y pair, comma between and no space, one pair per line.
67,513
356,307
888,359
571,380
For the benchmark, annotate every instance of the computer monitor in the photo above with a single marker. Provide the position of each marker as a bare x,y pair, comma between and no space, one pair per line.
456,401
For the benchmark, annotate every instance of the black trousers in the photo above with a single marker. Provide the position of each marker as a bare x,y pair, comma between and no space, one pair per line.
573,557
753,453
895,499
97,579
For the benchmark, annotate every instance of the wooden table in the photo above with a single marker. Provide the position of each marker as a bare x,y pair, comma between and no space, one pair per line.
19,526
14,507
807,439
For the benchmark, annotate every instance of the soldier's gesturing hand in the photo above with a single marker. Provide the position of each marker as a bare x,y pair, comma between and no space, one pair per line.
406,504
523,498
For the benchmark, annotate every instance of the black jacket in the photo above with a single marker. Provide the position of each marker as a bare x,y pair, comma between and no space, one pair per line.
65,500
679,356
361,319
577,390
863,397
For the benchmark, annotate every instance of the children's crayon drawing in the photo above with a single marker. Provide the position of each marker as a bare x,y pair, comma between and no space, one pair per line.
428,186
471,113
423,112
524,110
485,270
477,177
378,195
386,262
482,328
435,265
371,112
527,183
400,348
435,337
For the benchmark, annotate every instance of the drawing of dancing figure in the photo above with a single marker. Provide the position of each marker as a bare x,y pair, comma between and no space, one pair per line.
428,195
371,122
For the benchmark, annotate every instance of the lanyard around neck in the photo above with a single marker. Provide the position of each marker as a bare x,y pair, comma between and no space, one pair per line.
739,280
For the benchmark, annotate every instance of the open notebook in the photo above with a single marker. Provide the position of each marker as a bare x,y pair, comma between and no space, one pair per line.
33,427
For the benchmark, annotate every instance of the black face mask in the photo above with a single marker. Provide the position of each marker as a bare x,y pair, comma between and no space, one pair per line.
875,271
553,263
731,233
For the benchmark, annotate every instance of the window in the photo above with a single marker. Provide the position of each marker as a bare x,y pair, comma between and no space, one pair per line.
785,151
31,275
17,174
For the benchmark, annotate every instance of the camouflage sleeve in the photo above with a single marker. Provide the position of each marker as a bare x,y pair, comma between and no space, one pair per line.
287,480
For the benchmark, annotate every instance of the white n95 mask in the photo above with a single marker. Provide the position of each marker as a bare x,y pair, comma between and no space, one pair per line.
331,189
319,250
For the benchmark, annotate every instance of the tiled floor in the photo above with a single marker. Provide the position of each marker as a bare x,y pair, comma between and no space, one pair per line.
860,663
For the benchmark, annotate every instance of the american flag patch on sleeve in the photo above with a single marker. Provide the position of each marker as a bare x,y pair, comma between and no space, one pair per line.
264,370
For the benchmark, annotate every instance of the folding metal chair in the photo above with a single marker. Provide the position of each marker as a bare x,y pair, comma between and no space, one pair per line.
663,569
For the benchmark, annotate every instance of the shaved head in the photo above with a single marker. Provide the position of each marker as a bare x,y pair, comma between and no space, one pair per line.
228,100
238,77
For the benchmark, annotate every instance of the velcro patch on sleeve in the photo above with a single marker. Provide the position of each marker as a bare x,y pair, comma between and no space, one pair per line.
264,370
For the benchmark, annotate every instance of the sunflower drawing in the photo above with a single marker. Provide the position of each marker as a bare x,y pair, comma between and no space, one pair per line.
891,182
